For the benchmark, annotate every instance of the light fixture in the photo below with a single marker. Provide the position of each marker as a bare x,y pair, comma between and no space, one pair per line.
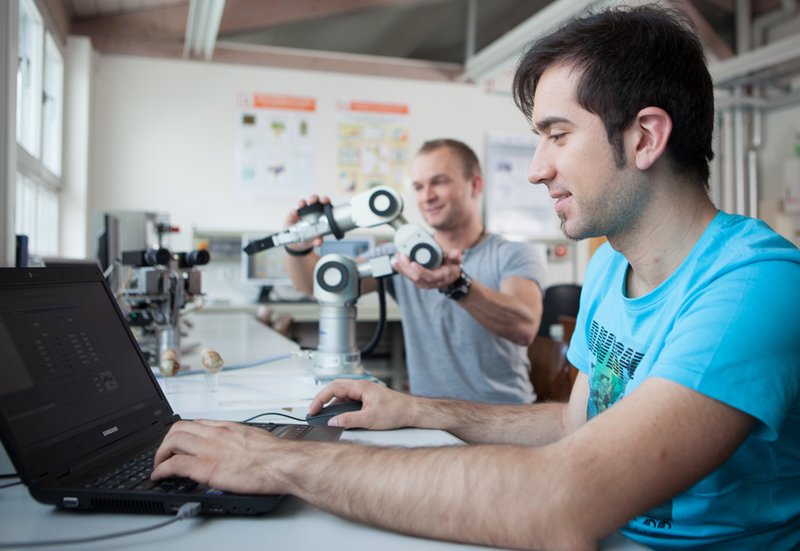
202,28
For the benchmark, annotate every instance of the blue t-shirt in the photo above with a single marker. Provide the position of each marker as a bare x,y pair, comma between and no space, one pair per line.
726,324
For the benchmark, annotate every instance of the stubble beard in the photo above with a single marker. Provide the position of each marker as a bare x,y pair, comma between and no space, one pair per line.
610,215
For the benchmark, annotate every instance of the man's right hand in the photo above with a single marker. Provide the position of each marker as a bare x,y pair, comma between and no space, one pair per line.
293,218
382,409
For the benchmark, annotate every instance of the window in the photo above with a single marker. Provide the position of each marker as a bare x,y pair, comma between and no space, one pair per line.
40,91
37,216
52,106
29,76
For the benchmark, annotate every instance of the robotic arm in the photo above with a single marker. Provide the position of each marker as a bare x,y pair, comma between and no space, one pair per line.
374,207
337,278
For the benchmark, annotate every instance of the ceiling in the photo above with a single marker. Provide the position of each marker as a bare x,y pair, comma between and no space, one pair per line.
408,38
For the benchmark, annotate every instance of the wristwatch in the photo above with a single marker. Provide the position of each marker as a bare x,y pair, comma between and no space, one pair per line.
459,288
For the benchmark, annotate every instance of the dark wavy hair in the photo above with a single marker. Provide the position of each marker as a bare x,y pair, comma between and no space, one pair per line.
469,161
629,59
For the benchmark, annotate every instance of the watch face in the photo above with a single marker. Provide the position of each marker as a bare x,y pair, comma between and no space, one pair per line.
458,293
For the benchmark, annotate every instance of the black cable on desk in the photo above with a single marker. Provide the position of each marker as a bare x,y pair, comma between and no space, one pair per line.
187,510
272,413
10,484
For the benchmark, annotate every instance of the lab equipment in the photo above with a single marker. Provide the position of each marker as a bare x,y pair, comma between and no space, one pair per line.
337,277
158,290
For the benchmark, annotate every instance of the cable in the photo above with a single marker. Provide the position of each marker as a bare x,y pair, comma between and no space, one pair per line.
187,510
376,337
9,475
10,484
239,366
273,413
261,362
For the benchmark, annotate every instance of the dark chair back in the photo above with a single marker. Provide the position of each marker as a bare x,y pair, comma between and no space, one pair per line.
551,374
559,300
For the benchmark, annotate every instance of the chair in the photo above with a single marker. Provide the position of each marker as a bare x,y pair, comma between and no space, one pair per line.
551,374
559,300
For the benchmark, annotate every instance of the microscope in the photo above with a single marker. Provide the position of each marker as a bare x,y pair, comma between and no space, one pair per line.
159,288
337,278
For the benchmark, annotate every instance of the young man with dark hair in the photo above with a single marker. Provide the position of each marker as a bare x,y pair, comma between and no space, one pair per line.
467,325
683,427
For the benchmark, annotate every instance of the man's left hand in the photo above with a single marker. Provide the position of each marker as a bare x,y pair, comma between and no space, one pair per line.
424,278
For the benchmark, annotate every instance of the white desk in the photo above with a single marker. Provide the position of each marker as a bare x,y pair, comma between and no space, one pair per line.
309,311
294,525
306,316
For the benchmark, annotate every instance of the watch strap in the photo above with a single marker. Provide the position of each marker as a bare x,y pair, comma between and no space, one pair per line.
459,288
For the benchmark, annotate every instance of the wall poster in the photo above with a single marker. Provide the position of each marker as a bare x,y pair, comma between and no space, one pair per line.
372,147
275,152
514,207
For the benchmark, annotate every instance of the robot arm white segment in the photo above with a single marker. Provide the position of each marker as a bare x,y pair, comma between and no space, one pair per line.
302,231
336,280
379,205
376,206
380,266
418,245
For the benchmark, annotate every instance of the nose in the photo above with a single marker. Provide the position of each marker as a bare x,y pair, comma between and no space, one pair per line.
540,170
426,193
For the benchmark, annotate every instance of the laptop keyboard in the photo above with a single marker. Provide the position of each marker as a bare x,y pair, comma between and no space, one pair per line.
292,432
135,474
132,474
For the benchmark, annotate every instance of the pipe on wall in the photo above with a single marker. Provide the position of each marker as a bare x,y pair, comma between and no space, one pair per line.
728,167
752,162
739,174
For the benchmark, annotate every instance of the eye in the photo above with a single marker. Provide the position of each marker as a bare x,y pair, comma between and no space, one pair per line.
555,138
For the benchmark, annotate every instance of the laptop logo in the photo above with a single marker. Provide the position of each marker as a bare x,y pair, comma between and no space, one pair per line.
112,430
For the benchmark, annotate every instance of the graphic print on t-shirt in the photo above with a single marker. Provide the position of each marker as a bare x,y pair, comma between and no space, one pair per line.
612,366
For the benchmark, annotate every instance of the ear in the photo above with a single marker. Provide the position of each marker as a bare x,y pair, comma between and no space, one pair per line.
477,185
652,129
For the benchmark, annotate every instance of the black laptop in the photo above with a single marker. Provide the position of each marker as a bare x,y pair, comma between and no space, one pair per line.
81,413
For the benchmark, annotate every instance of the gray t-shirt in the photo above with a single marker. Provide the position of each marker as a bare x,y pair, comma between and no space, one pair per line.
448,353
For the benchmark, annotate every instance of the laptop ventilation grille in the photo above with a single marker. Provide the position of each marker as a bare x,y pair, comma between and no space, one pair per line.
128,506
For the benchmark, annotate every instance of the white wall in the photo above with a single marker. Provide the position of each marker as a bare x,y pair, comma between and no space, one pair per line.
163,133
77,107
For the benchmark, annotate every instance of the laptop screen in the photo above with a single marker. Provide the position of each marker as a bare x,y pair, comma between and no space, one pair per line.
68,364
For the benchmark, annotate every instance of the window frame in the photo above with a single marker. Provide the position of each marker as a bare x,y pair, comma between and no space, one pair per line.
41,171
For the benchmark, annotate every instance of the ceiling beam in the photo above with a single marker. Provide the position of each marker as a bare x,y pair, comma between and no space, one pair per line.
736,70
60,17
708,36
312,60
246,15
726,5
504,51
161,25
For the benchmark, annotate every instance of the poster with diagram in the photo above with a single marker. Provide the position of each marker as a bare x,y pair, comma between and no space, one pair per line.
275,150
372,147
514,207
